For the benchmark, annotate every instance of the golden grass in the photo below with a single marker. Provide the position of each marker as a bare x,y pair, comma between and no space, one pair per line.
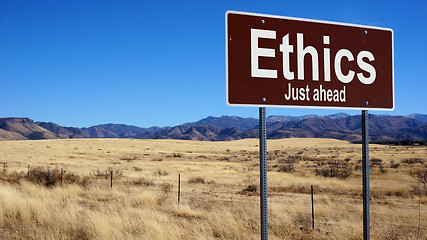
143,201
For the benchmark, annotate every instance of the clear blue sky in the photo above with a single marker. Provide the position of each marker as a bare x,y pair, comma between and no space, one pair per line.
147,63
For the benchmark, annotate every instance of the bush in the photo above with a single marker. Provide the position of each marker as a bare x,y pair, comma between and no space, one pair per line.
251,188
142,182
419,175
287,168
197,180
303,221
394,165
413,161
294,159
51,177
165,189
375,161
137,169
160,173
382,170
335,168
106,173
419,190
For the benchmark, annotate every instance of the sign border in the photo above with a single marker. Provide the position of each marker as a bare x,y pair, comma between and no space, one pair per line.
304,20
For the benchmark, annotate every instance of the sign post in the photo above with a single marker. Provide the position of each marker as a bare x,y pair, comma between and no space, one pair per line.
263,172
365,174
276,61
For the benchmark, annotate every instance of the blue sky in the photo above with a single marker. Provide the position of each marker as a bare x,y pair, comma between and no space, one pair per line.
162,63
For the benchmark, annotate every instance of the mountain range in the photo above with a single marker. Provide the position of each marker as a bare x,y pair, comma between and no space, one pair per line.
382,128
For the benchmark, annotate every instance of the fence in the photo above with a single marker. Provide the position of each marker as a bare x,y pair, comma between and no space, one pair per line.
316,213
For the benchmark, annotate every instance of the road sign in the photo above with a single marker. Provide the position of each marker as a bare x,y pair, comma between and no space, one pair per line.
275,61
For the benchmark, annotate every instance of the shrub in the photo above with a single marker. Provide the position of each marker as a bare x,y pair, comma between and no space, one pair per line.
419,190
137,169
394,165
382,170
70,178
116,172
129,158
375,161
335,168
413,161
251,188
100,173
142,181
49,177
196,180
160,173
287,168
294,158
303,221
419,175
165,189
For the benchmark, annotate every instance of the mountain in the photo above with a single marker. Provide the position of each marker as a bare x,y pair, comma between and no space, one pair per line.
349,128
227,122
275,118
117,131
22,128
7,135
338,126
421,117
63,132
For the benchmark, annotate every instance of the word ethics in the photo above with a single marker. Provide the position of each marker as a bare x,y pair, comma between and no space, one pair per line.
366,72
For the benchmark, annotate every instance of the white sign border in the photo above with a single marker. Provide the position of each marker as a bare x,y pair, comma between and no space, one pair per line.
304,20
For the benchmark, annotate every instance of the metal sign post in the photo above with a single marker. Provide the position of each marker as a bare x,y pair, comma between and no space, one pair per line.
365,174
263,172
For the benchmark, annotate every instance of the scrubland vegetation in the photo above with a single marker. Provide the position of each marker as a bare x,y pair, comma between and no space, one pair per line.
219,189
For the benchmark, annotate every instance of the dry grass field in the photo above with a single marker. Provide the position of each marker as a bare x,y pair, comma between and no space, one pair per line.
219,189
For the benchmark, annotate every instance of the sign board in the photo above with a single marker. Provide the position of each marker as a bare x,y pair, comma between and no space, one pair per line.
274,61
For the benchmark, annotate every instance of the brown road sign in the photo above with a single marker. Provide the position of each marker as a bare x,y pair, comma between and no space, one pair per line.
274,61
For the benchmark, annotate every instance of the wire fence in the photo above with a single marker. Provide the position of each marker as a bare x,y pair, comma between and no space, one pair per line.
409,214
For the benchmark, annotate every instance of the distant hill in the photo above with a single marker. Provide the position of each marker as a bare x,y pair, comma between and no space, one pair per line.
338,126
421,117
117,131
63,132
227,122
275,118
23,128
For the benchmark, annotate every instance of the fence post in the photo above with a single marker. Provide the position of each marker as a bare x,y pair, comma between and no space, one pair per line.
111,184
419,219
61,176
28,173
179,188
312,207
4,167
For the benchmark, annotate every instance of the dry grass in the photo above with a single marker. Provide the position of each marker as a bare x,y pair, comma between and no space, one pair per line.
143,201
